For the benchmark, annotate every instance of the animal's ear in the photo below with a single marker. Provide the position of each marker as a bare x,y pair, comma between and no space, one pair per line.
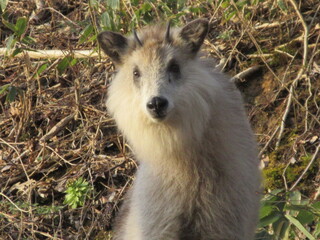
113,44
194,33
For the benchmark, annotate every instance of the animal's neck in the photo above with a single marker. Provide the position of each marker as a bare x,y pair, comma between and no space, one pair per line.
172,156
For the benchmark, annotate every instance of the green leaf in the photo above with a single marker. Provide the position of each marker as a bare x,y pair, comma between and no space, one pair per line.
229,14
11,41
4,88
21,26
272,196
135,2
42,68
195,10
3,4
317,230
305,217
114,4
17,51
77,191
181,4
28,40
9,25
65,63
225,4
275,216
294,207
67,198
265,211
316,205
93,3
73,62
85,33
93,38
285,231
282,5
105,21
241,4
298,225
281,229
146,7
263,234
12,93
295,197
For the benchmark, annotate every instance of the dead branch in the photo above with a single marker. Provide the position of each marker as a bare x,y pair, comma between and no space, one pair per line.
246,73
52,54
5,196
302,69
57,128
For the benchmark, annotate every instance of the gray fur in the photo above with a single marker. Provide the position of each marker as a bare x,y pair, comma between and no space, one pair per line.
198,176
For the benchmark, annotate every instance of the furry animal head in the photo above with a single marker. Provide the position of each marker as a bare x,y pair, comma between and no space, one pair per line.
152,65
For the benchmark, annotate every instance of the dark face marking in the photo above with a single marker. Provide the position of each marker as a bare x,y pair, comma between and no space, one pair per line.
173,70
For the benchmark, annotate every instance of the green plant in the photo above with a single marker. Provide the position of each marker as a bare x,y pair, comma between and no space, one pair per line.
66,62
282,214
10,91
3,5
19,29
232,7
77,192
46,210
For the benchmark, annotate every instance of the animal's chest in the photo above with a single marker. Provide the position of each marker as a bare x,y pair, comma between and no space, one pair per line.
162,191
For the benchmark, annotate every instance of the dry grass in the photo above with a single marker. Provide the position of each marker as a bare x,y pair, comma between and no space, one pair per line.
57,128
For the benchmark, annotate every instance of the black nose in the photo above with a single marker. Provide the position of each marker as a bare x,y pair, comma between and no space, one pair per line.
157,106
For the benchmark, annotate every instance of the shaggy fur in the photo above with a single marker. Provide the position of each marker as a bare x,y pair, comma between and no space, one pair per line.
198,176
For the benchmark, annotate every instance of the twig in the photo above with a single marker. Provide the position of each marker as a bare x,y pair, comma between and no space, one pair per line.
57,128
269,141
47,235
19,157
5,196
63,159
307,167
268,25
284,176
63,16
306,104
298,39
287,110
260,55
272,25
52,54
306,33
302,69
245,73
284,53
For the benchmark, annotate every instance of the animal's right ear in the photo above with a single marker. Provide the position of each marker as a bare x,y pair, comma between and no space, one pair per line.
113,44
194,33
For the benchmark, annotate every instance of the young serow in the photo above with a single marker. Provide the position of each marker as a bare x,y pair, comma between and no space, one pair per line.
198,176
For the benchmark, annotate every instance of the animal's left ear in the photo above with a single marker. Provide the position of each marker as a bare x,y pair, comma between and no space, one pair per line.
113,44
194,33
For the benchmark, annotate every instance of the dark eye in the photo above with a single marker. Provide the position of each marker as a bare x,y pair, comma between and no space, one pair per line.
136,73
173,70
174,67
